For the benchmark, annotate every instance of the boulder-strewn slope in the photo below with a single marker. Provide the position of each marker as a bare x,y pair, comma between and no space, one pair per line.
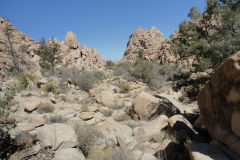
219,103
152,43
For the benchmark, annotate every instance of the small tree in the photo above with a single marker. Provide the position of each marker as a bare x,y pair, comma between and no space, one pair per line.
8,28
48,53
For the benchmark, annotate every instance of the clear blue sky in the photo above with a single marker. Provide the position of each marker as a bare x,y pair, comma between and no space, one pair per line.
102,24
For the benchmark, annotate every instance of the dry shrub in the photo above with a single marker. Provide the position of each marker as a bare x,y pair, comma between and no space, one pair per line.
88,138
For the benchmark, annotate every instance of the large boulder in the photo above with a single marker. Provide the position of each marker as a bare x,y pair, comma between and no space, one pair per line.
71,40
106,98
219,103
180,126
56,136
147,106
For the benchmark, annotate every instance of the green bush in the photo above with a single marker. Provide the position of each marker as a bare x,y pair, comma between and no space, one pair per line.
22,81
48,54
25,78
88,137
191,86
4,102
51,87
125,88
109,64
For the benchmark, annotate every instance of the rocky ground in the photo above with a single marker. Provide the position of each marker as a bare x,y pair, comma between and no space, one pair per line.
138,120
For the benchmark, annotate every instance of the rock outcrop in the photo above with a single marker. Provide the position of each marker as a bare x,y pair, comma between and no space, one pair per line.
74,55
151,42
219,103
16,48
71,40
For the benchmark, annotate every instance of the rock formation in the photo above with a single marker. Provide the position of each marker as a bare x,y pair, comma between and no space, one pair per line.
151,42
219,103
74,55
16,48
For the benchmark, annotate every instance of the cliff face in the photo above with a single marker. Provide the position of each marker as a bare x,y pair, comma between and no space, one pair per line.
153,45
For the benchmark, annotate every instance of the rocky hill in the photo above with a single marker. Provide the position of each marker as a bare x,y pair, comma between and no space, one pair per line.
152,44
17,49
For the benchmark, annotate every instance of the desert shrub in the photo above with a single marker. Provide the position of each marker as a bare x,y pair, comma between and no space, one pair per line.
4,109
25,78
124,70
149,73
98,75
84,79
142,70
109,64
48,54
125,88
22,81
112,154
56,119
88,137
23,48
45,108
190,86
51,87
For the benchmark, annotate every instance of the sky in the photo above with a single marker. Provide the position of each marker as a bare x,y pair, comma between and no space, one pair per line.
102,24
